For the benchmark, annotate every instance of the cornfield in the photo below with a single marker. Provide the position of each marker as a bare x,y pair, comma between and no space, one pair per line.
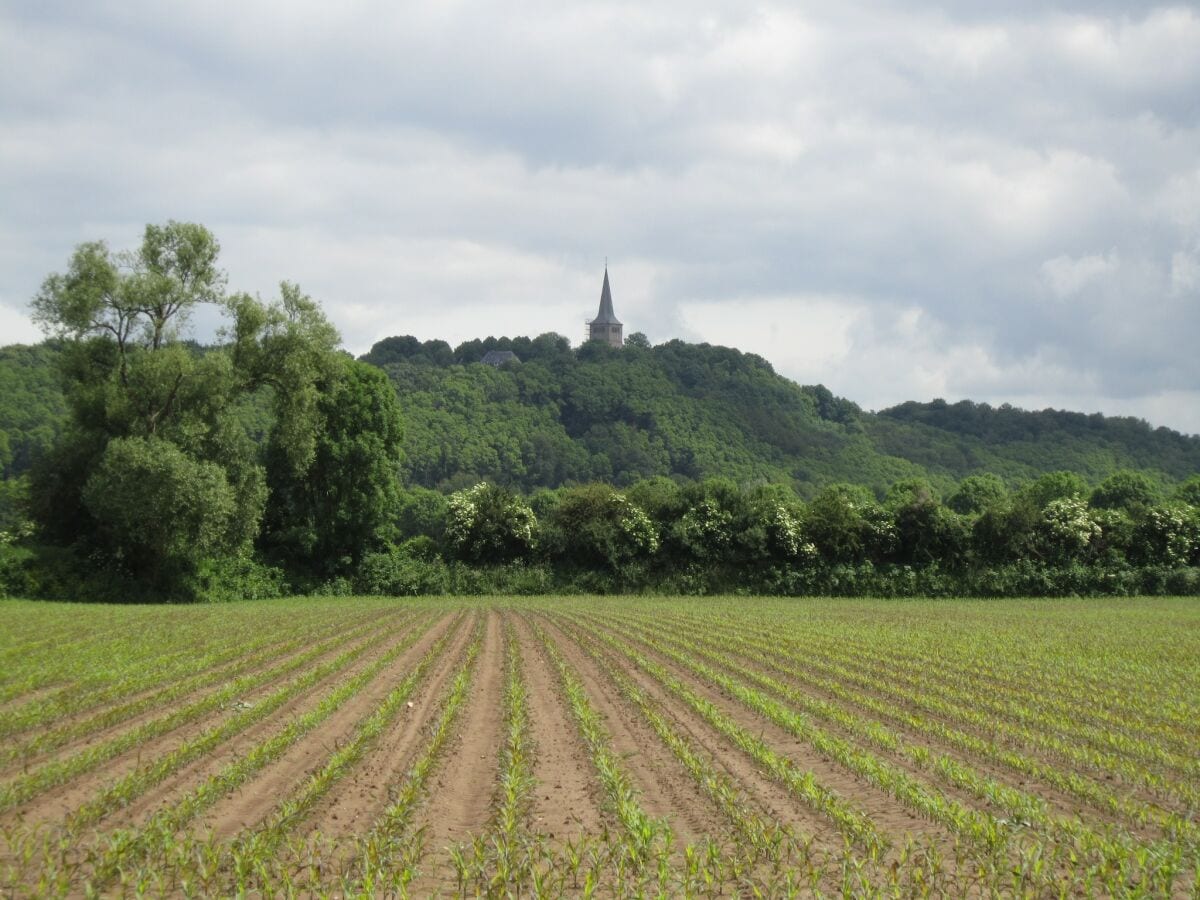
601,747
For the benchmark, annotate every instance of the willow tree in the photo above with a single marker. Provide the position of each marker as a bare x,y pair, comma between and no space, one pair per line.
157,471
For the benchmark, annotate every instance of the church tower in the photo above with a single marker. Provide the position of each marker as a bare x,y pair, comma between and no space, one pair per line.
605,326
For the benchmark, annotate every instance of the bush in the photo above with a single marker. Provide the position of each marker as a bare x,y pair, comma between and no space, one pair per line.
225,579
514,578
488,524
405,571
15,571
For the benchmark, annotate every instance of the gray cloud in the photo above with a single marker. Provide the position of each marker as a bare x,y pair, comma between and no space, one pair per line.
953,200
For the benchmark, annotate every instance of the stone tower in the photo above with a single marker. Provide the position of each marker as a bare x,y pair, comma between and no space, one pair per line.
605,326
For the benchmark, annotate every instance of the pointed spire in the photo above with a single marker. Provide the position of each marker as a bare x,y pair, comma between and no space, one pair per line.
606,316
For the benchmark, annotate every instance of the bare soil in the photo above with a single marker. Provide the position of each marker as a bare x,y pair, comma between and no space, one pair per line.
667,790
254,801
58,803
567,796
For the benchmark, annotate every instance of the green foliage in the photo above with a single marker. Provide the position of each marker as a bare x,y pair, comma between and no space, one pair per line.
1188,492
1167,535
407,570
324,517
421,512
1054,486
228,578
848,526
162,475
137,298
961,438
671,467
1127,490
598,414
597,527
1065,530
289,347
976,493
159,511
14,560
32,407
14,503
601,414
489,524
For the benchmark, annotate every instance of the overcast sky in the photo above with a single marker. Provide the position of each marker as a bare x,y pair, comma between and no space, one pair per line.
899,200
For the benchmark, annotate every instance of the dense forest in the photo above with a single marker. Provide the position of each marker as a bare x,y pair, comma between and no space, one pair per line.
138,465
690,411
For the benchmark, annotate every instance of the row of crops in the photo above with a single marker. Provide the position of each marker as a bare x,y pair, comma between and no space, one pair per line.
601,747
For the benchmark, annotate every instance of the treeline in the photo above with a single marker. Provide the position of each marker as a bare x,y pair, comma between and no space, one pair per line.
594,414
1012,442
1051,536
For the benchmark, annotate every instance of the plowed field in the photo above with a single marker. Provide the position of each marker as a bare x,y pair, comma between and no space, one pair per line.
608,747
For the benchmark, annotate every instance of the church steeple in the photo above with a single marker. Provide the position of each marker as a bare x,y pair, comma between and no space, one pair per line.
606,327
606,315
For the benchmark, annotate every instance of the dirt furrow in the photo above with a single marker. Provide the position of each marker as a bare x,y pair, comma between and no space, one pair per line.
567,797
888,814
358,799
57,805
771,798
462,791
251,803
666,789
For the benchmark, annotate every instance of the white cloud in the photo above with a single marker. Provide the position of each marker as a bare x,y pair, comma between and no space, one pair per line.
16,326
1066,275
1185,272
803,336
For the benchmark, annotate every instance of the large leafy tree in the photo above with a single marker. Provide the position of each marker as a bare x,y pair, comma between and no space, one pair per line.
157,471
324,516
148,439
160,509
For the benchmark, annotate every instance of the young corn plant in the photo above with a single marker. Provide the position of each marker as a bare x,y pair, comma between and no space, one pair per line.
642,834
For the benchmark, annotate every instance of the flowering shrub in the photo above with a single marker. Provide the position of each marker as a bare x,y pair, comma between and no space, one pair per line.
638,532
486,523
1067,528
705,530
787,536
1168,535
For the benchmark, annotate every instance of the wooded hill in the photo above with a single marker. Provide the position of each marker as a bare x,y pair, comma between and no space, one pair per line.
566,415
697,411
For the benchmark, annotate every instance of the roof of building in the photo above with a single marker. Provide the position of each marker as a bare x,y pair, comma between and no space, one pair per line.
499,357
606,316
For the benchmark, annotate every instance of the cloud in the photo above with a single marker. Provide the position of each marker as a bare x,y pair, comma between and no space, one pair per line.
899,200
16,327
1066,276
